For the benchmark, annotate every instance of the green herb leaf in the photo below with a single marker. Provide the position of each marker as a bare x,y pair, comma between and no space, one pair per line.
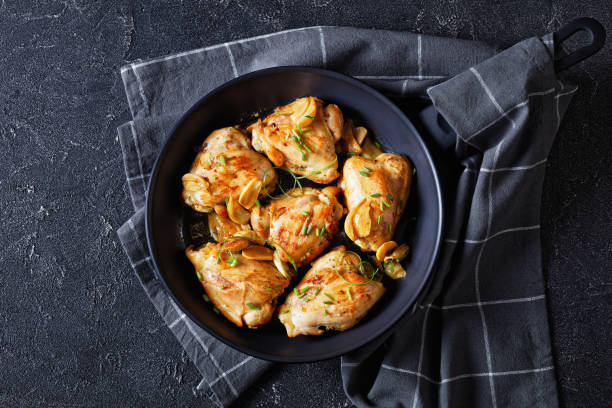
322,231
305,213
285,311
306,131
327,294
226,201
199,276
252,306
222,287
303,232
366,169
306,147
309,117
206,298
379,220
389,196
348,292
317,232
317,290
232,261
277,285
413,171
364,174
390,228
375,195
296,291
216,310
325,312
305,289
350,153
309,229
382,208
300,129
327,302
257,203
222,160
387,204
378,145
268,289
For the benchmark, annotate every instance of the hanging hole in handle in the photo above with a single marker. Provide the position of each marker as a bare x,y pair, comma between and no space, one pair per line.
596,35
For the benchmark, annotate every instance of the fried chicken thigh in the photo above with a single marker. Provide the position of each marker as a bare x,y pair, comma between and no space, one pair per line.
302,137
223,167
244,290
303,224
325,299
375,193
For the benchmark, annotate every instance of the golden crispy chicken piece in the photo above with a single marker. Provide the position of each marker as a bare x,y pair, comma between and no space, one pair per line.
244,290
324,298
302,137
303,224
221,170
375,193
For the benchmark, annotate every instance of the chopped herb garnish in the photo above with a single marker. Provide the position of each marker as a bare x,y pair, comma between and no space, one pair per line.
351,153
326,294
277,285
306,131
327,302
317,290
366,169
300,129
379,219
226,201
268,289
387,204
377,145
206,298
322,231
305,213
413,171
389,196
216,310
295,135
199,276
232,261
325,312
285,311
317,232
305,289
309,229
296,291
257,203
390,228
375,195
252,306
222,287
364,174
306,147
348,292
303,232
309,117
222,160
382,207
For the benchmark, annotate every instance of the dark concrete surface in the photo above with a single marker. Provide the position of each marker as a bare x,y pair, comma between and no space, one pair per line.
75,327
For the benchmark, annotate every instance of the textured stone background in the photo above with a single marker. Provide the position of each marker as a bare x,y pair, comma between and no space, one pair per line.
76,328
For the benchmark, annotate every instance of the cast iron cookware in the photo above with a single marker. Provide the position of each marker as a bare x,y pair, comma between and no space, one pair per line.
171,225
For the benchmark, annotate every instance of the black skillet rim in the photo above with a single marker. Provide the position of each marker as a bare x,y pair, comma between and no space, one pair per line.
392,322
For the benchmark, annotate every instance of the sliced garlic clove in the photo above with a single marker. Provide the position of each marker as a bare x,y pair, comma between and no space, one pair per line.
250,193
394,270
258,253
236,212
399,253
362,220
283,267
360,134
369,149
385,249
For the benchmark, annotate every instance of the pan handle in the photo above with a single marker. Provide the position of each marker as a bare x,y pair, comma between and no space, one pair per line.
597,37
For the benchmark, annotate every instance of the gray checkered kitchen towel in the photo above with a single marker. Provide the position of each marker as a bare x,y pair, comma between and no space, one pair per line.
480,337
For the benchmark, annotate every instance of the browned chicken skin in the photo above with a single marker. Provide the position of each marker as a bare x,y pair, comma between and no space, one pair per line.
375,193
245,293
223,167
302,225
302,137
326,300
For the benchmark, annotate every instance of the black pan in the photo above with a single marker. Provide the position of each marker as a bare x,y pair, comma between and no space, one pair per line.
171,226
